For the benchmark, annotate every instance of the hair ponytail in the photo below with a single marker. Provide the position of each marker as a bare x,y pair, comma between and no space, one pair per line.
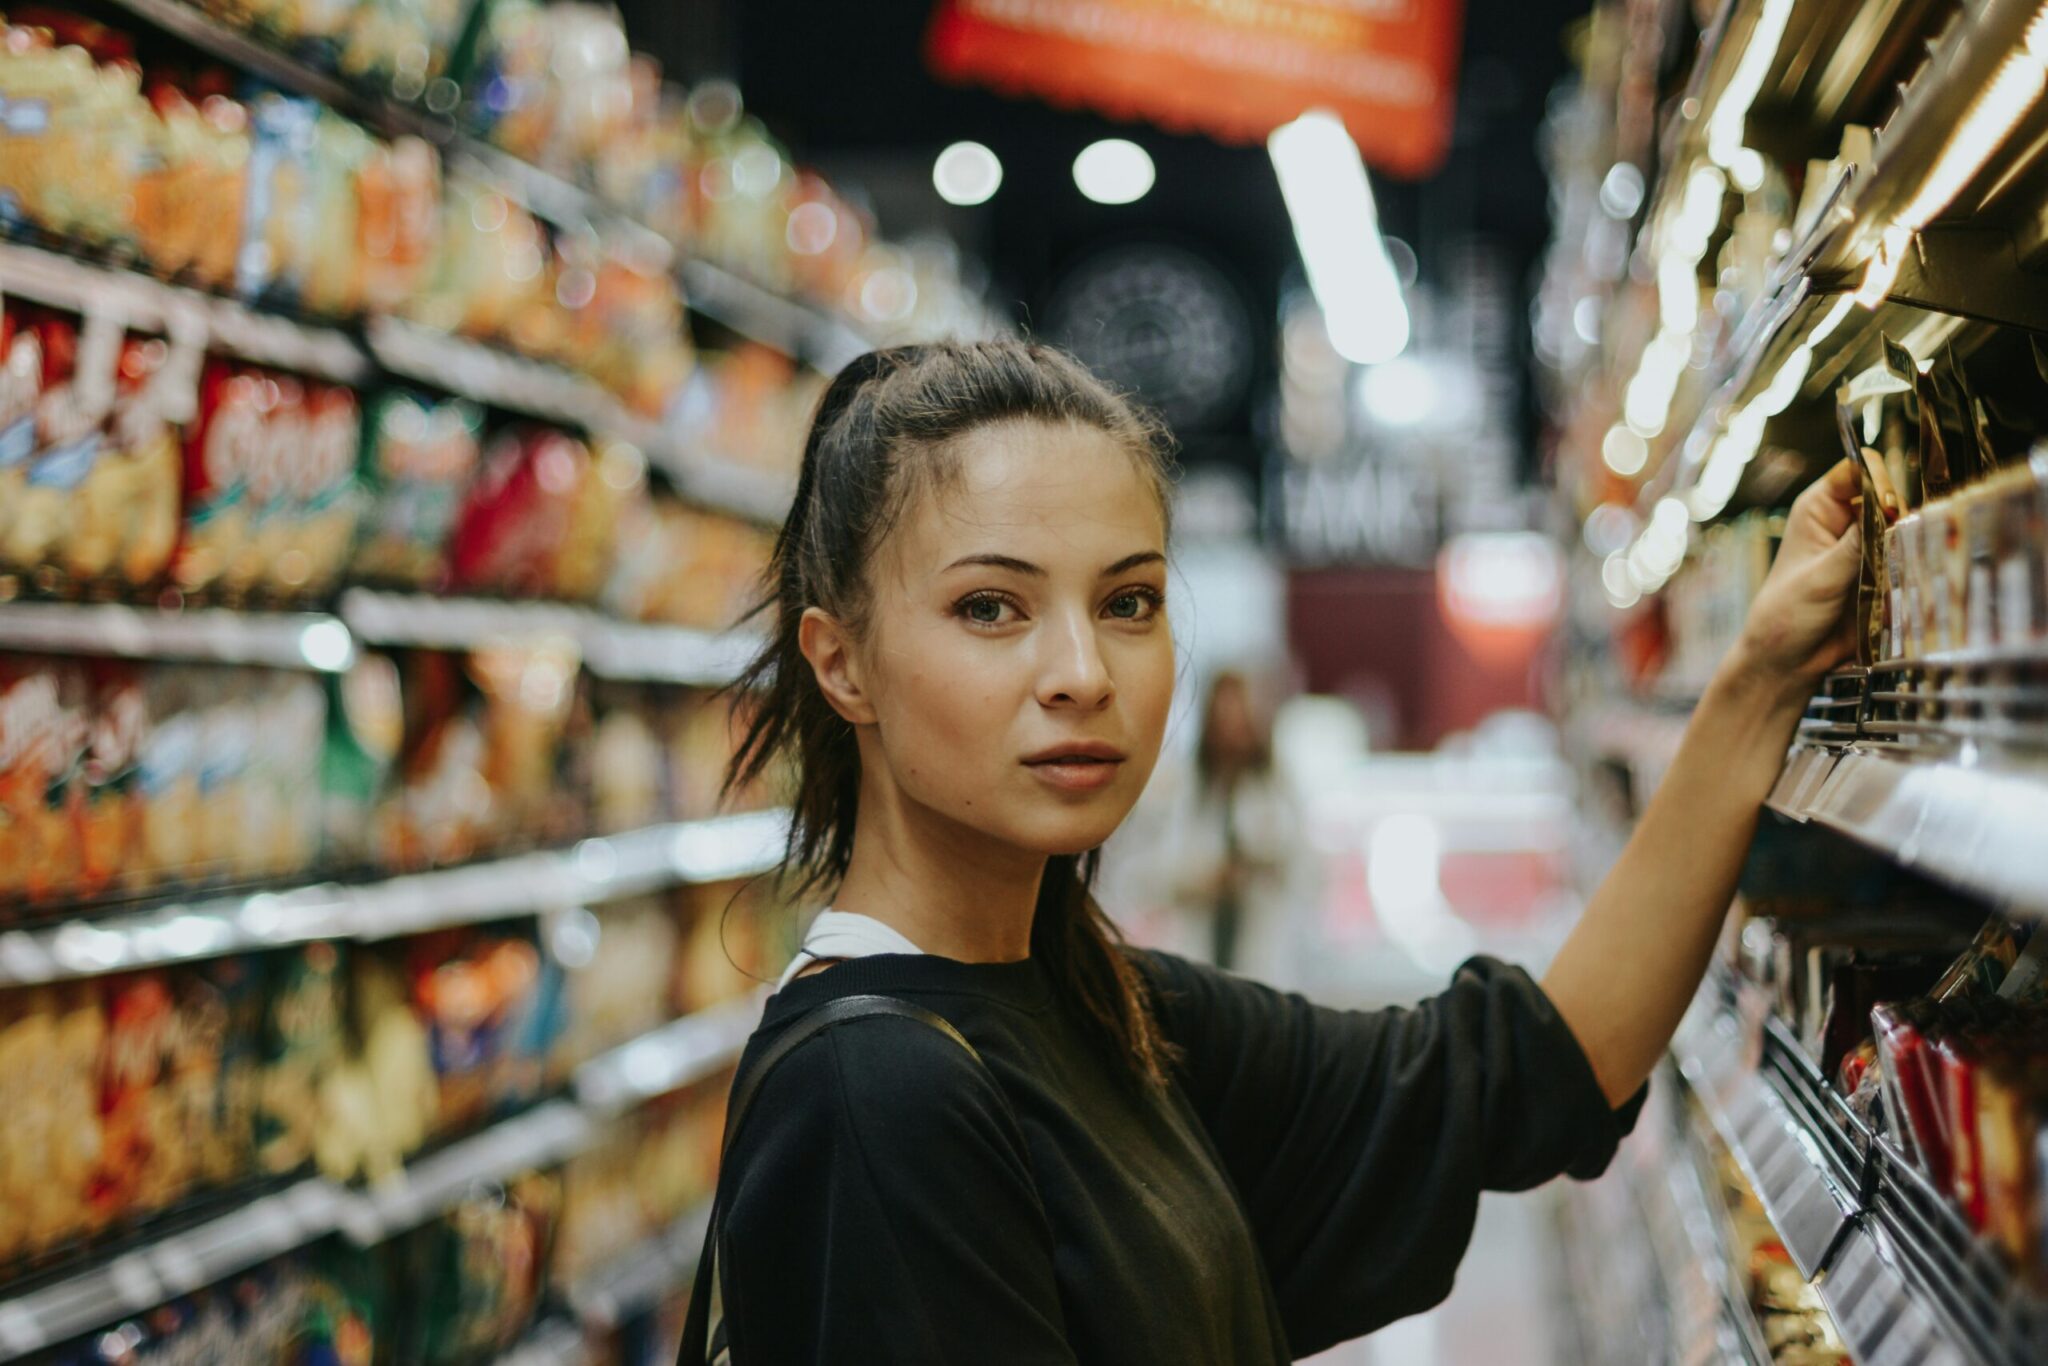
881,433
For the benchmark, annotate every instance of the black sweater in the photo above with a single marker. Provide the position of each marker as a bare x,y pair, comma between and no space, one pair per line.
1311,1174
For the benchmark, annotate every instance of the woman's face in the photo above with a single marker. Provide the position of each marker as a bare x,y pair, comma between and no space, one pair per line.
1017,663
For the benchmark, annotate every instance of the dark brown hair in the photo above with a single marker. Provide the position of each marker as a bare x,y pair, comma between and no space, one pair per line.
884,430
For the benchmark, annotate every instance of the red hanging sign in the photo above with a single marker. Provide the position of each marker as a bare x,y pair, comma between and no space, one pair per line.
1234,69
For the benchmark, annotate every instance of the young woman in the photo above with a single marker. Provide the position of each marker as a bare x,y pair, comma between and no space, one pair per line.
1150,1162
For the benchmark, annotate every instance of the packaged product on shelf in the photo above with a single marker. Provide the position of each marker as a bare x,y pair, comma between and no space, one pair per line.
625,987
110,823
616,480
327,500
172,845
221,450
79,357
418,457
302,1043
45,735
473,1278
516,519
278,834
51,1039
680,566
126,527
146,1160
225,998
470,990
382,1102
271,500
628,776
189,201
365,733
650,1168
555,81
73,143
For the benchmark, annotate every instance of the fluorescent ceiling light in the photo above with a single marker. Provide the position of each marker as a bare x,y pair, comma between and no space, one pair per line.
1337,228
1113,171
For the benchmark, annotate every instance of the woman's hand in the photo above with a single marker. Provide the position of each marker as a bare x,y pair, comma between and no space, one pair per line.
1801,624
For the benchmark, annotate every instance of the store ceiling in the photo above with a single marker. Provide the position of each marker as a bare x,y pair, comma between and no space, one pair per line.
845,85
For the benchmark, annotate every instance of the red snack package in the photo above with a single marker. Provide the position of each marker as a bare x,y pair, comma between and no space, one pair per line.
1957,1057
1912,1101
221,445
140,1167
518,515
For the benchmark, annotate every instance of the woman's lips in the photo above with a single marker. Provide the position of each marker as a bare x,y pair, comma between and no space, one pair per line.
1075,772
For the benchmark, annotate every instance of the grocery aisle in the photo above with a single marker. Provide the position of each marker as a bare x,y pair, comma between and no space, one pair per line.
1774,274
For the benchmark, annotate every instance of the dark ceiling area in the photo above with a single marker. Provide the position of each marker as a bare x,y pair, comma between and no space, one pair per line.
846,87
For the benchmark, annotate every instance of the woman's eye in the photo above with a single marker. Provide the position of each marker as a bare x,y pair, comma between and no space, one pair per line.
985,610
1133,606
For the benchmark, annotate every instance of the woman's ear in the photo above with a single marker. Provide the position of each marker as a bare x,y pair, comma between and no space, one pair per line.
828,646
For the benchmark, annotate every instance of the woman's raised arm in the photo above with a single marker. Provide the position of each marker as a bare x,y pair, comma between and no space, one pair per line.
1631,965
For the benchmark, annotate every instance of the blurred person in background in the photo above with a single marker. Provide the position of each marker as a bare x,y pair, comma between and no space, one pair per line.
1222,855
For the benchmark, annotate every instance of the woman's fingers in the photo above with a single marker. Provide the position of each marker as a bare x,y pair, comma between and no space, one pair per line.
1829,501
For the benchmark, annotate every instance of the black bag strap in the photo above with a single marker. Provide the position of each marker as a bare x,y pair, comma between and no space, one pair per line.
704,1342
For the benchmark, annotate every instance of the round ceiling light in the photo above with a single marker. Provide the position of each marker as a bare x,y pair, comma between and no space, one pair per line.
1114,171
966,174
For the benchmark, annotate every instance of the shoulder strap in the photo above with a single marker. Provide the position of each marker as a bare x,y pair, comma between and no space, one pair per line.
704,1340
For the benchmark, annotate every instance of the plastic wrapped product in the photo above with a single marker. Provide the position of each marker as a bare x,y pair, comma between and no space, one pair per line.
418,457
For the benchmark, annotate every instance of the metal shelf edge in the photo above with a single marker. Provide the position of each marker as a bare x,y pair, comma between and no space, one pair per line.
669,1058
603,868
1972,826
174,1265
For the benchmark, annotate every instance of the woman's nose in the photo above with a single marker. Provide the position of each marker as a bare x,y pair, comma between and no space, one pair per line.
1073,672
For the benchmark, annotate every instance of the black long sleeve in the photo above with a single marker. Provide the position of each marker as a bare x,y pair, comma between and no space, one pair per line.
1309,1175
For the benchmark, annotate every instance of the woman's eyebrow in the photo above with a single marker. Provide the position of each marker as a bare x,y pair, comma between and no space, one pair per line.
994,561
1130,562
1017,566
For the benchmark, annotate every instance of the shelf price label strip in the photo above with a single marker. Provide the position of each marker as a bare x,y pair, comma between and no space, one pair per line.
1884,1317
608,868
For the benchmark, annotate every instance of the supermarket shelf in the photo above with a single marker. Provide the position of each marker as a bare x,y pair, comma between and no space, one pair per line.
1807,1198
667,1059
1952,266
594,871
1963,820
1902,1275
713,291
144,302
276,66
282,640
504,380
792,328
626,651
270,1225
541,1137
644,1275
173,1265
1712,1319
